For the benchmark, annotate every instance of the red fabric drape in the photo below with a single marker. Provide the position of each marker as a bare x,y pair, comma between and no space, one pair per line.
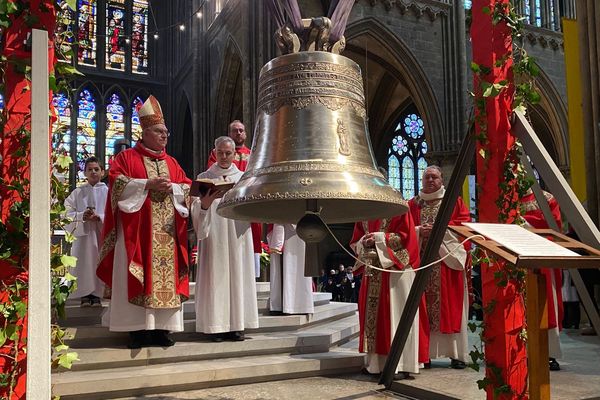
492,43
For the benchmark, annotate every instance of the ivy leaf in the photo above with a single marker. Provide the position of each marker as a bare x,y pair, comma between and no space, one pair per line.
486,10
63,161
66,360
2,337
71,4
68,261
61,347
66,69
521,108
482,153
475,67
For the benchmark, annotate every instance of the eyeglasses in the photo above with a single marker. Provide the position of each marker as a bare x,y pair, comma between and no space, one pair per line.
161,132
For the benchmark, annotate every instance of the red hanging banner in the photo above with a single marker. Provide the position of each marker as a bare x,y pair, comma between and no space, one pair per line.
504,314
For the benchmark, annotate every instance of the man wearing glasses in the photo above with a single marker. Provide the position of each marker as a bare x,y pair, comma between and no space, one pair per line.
144,252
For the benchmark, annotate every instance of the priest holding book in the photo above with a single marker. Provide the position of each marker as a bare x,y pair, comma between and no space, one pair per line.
225,298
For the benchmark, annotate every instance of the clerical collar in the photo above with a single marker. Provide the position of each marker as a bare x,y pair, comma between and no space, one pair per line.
438,194
218,171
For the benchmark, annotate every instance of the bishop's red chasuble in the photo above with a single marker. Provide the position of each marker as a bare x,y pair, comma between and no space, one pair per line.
155,236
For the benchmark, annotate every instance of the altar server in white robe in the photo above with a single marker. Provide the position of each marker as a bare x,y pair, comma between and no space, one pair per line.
292,293
85,206
225,281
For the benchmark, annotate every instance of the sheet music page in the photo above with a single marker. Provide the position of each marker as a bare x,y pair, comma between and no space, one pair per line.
520,240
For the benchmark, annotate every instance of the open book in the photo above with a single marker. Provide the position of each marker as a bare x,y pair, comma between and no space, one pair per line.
201,186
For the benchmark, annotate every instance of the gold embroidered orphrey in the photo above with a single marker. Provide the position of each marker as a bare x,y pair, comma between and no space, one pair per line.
163,285
373,280
429,210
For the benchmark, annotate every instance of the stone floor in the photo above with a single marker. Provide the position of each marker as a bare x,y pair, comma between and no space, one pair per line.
579,379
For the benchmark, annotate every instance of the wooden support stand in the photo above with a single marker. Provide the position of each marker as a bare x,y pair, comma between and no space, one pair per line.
536,299
537,336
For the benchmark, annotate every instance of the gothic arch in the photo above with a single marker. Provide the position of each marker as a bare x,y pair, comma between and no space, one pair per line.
387,51
549,119
230,94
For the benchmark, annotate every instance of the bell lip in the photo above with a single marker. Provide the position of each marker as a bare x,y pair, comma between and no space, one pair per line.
377,210
304,56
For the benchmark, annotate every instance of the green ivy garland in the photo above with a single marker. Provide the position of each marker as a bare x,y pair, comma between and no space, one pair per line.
513,174
14,232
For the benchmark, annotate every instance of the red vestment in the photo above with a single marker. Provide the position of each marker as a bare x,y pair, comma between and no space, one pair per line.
403,250
242,154
149,275
441,308
534,216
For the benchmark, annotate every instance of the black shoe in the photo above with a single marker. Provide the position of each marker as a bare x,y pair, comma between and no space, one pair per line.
365,371
427,365
138,339
457,364
86,302
237,336
403,375
275,313
161,338
96,303
554,365
216,337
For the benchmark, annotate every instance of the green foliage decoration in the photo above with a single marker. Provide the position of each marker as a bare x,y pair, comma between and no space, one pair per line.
14,232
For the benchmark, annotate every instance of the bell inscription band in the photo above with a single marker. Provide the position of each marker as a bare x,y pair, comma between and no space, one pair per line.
311,149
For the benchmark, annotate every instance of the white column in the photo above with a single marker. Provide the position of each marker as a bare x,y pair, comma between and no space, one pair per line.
38,328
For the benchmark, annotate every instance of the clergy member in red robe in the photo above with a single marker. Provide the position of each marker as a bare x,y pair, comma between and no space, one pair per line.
237,131
444,313
390,244
144,253
535,218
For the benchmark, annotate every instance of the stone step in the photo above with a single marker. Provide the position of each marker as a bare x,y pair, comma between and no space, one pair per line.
98,335
78,316
189,375
192,347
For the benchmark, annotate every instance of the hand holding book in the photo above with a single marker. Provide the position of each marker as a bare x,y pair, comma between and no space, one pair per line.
202,187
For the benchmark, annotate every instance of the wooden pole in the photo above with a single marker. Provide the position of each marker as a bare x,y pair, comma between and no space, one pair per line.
505,351
38,337
537,336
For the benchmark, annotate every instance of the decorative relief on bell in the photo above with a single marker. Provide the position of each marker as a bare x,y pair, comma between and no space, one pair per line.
344,145
329,84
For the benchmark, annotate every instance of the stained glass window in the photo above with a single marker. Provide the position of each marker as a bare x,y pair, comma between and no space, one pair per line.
405,156
86,32
139,37
1,102
394,171
538,13
115,35
61,128
136,128
86,131
115,126
468,4
65,21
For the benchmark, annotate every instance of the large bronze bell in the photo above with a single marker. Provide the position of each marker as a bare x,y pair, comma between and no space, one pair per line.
311,149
